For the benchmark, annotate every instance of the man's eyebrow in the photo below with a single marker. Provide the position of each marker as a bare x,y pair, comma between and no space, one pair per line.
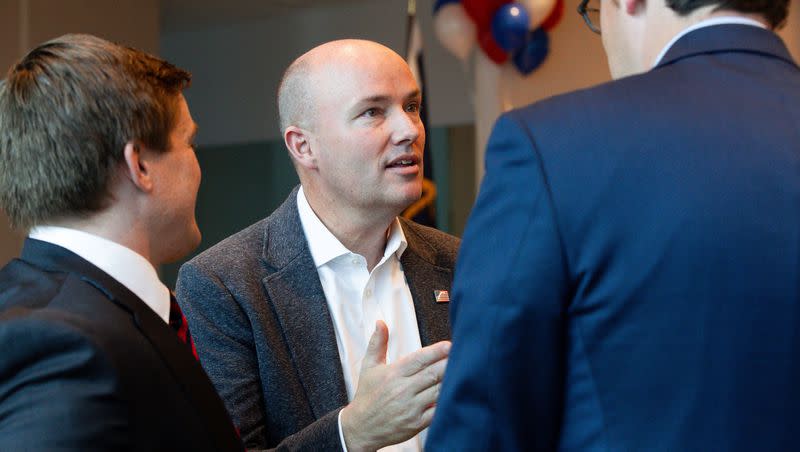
413,94
383,98
374,99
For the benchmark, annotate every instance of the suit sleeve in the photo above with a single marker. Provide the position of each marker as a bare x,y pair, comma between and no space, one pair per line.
502,389
224,339
57,389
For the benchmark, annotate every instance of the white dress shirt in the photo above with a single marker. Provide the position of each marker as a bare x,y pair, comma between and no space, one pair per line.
358,298
707,23
129,268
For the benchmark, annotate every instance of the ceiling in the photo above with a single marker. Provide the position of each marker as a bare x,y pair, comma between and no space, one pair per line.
190,14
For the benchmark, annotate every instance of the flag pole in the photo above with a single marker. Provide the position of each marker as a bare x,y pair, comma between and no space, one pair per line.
423,210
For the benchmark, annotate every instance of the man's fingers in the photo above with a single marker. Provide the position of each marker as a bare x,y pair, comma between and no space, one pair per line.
376,350
413,363
428,396
428,377
427,416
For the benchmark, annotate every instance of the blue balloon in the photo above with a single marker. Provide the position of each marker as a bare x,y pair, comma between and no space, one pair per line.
510,26
440,3
533,53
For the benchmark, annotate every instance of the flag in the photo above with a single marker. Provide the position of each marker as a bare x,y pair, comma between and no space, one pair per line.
422,211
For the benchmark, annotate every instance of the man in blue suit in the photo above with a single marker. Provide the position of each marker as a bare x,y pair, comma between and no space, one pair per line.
629,278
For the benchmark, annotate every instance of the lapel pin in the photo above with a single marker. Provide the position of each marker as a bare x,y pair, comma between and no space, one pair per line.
442,296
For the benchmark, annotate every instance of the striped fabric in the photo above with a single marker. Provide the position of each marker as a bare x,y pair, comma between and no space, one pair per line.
178,322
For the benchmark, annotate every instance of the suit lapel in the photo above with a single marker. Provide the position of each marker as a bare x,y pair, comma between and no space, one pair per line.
293,286
187,371
175,355
302,310
424,277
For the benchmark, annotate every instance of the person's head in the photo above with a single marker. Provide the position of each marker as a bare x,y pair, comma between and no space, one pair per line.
635,31
349,113
85,125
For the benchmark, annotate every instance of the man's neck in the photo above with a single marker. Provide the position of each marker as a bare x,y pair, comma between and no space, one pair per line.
366,240
363,233
111,227
728,13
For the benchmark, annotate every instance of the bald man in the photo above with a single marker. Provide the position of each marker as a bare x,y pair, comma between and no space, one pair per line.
322,326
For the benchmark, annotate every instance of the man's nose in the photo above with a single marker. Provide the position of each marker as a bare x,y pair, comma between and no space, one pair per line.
406,128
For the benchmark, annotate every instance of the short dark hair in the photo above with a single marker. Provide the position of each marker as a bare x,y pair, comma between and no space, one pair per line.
67,109
775,11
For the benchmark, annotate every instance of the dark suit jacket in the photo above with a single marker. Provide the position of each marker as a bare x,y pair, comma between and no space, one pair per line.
261,324
630,274
86,365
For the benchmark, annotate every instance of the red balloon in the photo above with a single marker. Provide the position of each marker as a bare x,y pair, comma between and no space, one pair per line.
490,47
555,16
482,11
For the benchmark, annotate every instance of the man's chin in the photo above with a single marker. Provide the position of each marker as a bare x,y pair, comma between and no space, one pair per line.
197,237
409,201
190,241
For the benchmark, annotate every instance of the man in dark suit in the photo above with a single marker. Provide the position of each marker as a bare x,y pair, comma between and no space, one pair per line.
283,311
96,156
630,274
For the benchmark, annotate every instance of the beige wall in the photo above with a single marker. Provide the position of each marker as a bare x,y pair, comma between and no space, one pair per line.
10,31
791,33
131,22
26,23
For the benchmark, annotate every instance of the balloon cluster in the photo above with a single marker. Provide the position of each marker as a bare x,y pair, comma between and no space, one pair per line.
502,28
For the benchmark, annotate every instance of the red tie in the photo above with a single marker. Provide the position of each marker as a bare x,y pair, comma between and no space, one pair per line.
178,322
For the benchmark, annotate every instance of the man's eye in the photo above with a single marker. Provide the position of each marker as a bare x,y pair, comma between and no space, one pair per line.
412,107
371,112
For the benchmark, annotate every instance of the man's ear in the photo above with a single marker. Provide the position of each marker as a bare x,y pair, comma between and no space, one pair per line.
632,7
299,145
137,167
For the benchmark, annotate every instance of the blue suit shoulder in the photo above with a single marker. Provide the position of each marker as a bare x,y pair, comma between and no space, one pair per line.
572,112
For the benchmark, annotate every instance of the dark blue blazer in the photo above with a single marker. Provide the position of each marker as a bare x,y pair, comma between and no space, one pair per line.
629,278
85,365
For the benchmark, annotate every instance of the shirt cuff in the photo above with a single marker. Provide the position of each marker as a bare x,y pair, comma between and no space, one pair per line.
341,433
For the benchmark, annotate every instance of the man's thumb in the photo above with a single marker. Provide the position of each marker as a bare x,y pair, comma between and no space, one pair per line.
376,350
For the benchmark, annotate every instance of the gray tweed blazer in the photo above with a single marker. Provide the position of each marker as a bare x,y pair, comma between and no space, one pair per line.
260,321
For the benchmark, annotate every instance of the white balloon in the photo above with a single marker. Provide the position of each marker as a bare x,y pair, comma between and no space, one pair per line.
538,10
455,30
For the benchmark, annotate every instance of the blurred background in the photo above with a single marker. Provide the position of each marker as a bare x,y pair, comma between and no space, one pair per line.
237,51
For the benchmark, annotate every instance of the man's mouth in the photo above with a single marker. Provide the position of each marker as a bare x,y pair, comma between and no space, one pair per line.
403,162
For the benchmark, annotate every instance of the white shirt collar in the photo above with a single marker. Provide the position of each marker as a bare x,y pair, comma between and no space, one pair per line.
325,247
123,264
707,23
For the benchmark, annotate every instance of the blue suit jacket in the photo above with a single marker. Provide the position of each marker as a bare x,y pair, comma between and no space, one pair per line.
629,278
